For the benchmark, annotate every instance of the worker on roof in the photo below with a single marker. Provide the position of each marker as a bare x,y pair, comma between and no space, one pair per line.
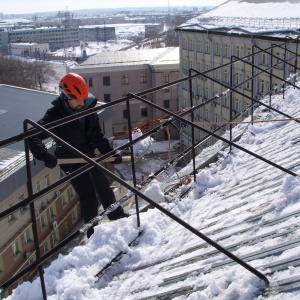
85,135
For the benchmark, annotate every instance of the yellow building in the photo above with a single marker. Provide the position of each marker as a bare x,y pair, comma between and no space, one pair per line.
242,46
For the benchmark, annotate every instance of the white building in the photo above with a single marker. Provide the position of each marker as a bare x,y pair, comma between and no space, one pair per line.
28,49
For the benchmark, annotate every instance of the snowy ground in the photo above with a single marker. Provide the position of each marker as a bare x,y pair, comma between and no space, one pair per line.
72,276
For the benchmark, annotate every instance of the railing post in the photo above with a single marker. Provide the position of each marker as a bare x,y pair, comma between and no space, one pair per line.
32,213
193,128
132,161
231,101
284,71
271,78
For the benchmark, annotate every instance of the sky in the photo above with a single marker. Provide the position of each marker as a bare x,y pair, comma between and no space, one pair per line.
246,205
32,6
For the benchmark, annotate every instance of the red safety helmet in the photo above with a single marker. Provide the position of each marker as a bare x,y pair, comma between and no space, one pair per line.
74,86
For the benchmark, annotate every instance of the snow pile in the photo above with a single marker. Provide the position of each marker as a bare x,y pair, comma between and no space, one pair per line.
228,192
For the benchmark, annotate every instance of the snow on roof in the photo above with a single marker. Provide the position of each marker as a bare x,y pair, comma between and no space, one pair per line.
249,207
257,9
131,57
253,15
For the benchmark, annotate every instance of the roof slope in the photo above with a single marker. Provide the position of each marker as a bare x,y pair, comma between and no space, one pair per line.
257,9
248,206
250,15
16,105
131,57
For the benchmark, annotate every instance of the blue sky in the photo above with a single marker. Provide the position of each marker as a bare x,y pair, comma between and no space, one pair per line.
32,6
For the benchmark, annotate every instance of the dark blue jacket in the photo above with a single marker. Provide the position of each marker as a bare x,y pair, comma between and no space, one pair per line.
84,134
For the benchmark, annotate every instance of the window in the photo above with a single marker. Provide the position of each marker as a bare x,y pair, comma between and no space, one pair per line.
200,46
236,104
125,79
236,78
52,211
38,186
248,83
144,111
64,199
248,53
11,217
207,47
268,86
225,100
54,236
217,49
47,180
262,86
191,44
206,115
74,215
28,235
166,78
46,247
199,66
71,193
125,114
226,52
225,75
206,93
107,98
264,58
217,74
90,81
21,198
166,103
238,51
184,43
143,77
16,248
43,222
106,80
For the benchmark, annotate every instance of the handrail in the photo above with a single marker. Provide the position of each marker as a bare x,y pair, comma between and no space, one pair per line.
136,189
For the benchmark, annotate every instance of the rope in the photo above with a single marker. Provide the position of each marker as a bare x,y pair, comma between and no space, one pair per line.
182,180
250,122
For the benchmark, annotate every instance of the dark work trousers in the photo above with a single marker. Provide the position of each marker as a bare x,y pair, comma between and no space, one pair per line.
91,187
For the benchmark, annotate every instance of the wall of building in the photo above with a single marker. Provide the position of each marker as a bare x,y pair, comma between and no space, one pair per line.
29,49
133,79
202,52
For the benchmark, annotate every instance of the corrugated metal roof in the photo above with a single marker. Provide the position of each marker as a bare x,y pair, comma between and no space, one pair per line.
16,105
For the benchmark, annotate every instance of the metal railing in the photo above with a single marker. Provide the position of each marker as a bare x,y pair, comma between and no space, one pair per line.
135,190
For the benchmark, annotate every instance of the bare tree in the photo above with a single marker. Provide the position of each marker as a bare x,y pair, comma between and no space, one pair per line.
171,38
27,74
43,73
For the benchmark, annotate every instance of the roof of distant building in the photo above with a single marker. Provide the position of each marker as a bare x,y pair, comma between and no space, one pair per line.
157,56
250,16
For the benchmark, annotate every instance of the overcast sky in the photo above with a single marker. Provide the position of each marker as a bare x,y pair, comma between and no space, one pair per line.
32,6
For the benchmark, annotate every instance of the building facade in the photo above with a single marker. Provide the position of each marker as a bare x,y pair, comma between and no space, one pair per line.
56,37
29,49
111,75
210,47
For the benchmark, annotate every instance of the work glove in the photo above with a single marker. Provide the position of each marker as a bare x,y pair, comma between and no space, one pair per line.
49,159
118,159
